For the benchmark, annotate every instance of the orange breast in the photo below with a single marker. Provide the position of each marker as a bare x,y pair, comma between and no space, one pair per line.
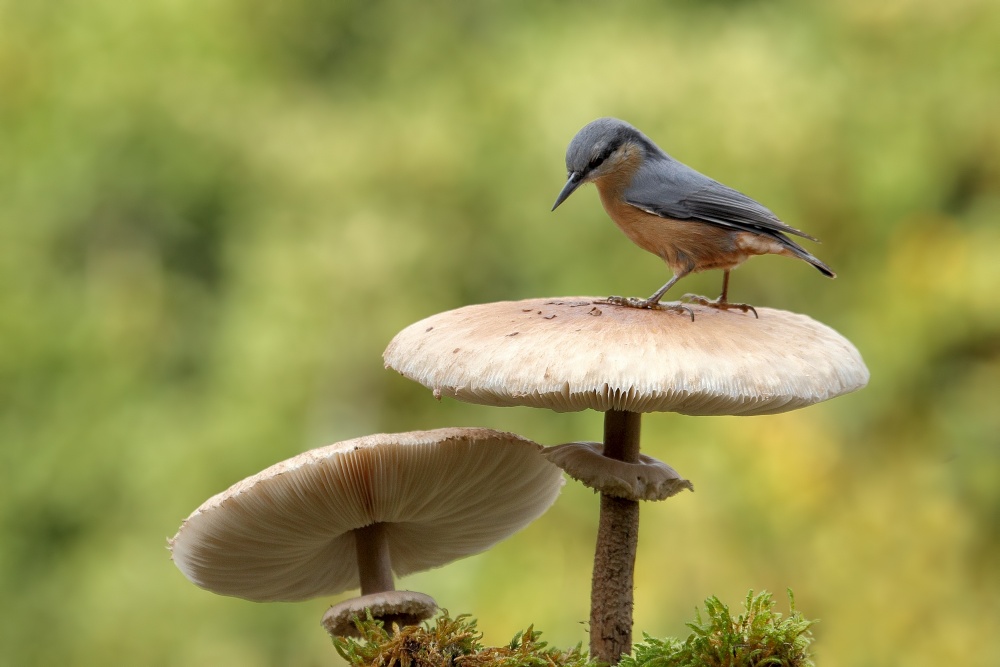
685,245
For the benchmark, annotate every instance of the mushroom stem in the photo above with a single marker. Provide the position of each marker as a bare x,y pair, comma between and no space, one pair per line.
614,558
374,564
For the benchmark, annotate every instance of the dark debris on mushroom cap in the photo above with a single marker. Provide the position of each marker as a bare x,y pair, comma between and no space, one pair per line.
571,353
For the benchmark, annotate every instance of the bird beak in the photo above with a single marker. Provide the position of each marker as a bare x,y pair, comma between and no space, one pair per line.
575,180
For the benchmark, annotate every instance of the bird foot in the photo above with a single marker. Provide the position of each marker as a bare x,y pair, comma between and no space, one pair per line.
720,304
636,302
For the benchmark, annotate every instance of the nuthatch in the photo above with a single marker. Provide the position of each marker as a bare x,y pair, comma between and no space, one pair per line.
687,219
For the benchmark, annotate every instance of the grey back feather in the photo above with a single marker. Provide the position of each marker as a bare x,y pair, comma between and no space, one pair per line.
668,188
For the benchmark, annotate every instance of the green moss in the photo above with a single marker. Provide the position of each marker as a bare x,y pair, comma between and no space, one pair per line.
449,641
756,638
760,637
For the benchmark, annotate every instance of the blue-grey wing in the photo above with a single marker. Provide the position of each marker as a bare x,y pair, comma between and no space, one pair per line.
670,189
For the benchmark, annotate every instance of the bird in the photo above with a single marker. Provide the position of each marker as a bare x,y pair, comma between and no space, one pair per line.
692,222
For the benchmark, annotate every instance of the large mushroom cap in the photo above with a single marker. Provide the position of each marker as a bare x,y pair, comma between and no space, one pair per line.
571,354
286,532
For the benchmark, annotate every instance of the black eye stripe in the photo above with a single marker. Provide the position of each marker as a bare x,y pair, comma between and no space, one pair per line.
604,155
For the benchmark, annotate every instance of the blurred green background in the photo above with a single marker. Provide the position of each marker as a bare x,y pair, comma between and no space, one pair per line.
214,216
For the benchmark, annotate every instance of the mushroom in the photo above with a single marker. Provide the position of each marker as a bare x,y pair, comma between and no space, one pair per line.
357,512
574,353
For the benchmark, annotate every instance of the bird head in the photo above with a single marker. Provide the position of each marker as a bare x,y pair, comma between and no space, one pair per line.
598,150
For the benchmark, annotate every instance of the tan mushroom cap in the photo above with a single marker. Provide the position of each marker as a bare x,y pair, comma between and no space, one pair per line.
570,354
286,532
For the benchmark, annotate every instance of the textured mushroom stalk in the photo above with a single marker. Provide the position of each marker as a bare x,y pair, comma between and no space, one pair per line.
374,561
617,540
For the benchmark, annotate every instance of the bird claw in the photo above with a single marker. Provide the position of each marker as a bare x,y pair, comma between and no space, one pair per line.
636,302
719,304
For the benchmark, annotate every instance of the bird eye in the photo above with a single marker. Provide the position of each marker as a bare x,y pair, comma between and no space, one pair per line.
600,157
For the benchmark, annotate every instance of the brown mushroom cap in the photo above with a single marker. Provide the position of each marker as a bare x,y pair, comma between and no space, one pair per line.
571,354
286,532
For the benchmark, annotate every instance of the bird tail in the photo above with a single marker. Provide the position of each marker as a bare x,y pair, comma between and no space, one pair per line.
805,255
823,268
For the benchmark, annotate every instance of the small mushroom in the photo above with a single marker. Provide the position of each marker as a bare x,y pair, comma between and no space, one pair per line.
400,607
570,354
356,513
